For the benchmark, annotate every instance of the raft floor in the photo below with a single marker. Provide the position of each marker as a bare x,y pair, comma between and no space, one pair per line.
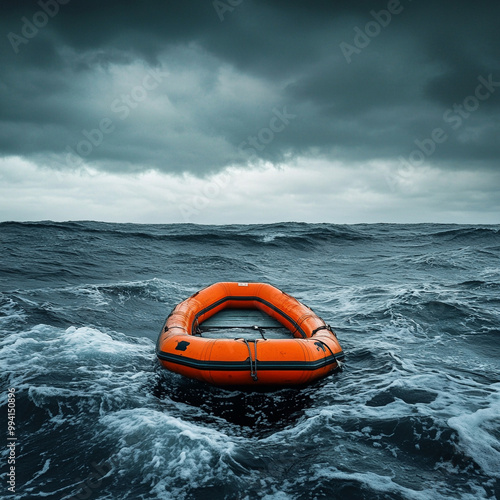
239,323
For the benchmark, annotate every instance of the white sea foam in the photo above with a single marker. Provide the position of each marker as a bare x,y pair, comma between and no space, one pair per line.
270,237
80,360
174,456
490,273
10,312
92,294
479,433
386,484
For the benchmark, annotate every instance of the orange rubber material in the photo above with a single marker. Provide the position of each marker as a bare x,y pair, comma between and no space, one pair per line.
311,353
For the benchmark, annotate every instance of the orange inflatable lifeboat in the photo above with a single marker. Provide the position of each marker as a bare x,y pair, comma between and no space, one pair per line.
312,353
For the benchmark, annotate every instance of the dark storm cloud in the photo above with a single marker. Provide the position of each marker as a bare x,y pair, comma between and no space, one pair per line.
357,81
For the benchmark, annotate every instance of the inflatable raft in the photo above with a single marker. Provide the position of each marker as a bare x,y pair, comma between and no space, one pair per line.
311,351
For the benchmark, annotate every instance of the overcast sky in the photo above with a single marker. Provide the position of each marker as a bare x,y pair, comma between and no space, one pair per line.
241,111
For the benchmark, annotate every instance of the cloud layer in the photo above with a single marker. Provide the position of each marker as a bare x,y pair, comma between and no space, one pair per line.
194,88
307,191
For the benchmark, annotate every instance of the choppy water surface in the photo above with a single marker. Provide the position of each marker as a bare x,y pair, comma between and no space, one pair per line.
414,415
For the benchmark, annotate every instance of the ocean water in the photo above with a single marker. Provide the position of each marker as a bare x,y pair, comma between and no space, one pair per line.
415,414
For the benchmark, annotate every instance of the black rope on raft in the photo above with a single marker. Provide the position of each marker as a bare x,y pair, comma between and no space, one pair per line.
261,331
339,363
253,363
323,327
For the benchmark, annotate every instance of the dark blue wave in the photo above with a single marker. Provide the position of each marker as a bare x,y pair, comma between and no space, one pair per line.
413,415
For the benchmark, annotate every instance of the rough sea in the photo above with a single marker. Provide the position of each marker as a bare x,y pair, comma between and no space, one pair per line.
415,413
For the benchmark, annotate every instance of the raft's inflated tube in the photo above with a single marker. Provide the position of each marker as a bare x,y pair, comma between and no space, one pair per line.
313,353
